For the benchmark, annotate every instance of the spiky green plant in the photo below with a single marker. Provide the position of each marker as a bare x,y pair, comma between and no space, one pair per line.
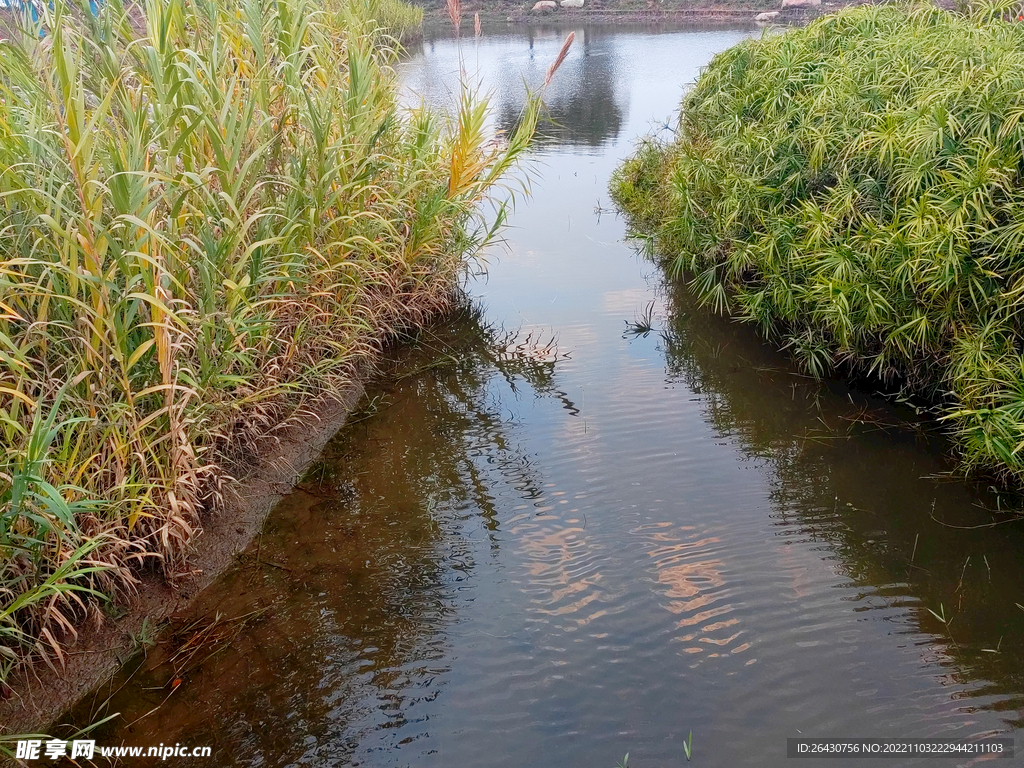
211,210
854,188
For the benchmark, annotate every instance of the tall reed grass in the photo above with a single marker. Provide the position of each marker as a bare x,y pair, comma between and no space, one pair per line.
855,188
211,210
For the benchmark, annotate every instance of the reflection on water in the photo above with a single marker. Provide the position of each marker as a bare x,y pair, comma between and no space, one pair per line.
862,484
353,581
525,554
584,104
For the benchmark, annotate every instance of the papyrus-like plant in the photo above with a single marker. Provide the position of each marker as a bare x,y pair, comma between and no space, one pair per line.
856,189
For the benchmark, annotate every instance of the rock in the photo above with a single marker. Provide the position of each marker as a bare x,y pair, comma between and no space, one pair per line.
801,3
767,16
545,6
571,3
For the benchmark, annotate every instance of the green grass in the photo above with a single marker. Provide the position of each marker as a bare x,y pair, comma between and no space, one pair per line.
401,20
854,188
211,211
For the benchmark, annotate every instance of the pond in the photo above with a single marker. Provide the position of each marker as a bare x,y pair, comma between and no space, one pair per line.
587,516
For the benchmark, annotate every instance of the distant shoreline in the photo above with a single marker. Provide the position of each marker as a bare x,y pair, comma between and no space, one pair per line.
435,19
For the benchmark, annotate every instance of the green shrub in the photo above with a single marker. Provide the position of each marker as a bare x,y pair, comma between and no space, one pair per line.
855,189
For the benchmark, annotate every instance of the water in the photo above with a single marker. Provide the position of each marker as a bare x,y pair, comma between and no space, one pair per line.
547,542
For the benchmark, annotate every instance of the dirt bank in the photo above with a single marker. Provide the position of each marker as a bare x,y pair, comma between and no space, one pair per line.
38,695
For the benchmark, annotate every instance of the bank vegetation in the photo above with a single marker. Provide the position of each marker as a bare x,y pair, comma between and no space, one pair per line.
854,189
210,212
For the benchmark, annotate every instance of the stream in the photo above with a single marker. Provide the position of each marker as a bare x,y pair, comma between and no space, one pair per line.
586,516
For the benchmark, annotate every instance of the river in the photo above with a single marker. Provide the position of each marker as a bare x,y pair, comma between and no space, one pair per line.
587,517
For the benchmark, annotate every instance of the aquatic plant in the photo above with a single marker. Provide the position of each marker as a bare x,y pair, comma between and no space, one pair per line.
212,211
854,189
643,322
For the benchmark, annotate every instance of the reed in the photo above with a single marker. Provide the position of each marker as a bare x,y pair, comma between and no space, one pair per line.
399,19
854,189
211,211
559,59
454,8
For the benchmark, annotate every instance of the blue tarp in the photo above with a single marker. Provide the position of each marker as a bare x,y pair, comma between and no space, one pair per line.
32,8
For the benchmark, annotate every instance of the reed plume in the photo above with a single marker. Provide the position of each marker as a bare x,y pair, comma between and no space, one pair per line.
455,13
559,59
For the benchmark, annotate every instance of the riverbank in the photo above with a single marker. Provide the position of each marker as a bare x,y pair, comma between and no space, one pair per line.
491,19
216,219
42,694
693,14
865,220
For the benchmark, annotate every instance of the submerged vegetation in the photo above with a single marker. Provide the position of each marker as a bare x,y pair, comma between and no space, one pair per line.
854,188
211,211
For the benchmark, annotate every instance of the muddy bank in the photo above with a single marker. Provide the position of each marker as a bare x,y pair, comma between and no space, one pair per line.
38,695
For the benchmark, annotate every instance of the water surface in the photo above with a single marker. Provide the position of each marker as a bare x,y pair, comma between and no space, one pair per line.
547,542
